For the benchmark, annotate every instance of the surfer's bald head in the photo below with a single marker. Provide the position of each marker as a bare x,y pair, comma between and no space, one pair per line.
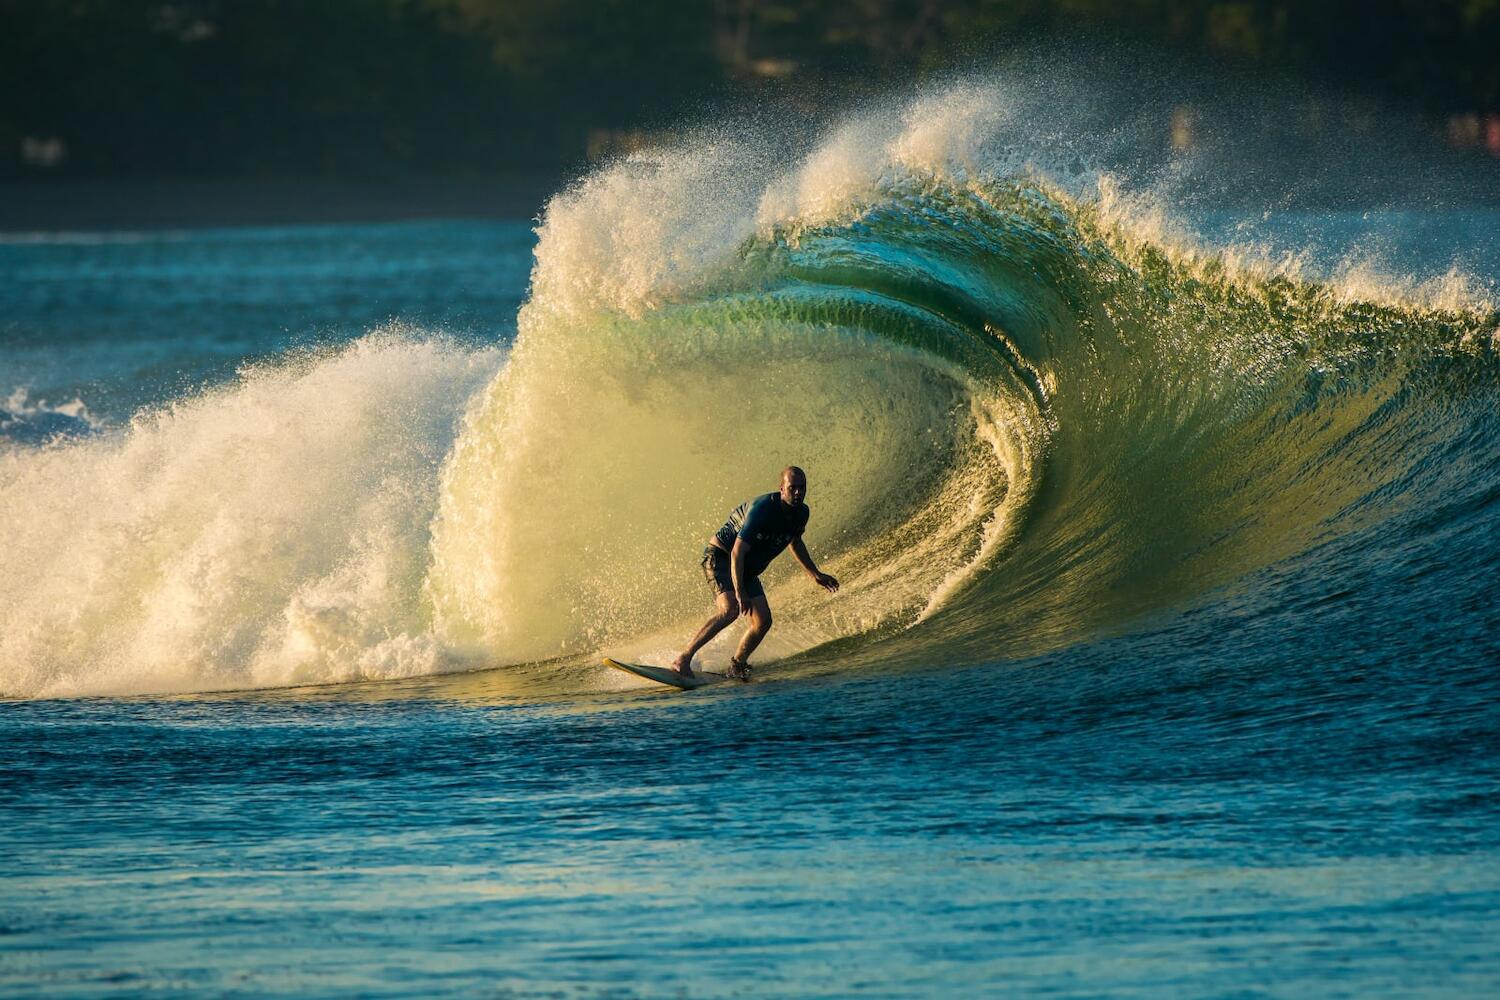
793,485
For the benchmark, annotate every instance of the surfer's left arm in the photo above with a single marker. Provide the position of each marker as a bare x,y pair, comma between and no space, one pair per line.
799,550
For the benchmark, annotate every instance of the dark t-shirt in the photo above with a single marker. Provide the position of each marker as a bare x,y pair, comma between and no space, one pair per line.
767,525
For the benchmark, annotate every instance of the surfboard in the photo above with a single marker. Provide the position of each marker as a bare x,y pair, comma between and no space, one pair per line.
663,675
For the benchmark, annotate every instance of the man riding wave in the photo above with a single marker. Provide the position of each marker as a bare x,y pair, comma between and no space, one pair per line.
756,532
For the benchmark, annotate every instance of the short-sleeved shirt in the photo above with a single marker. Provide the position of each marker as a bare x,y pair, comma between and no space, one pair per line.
767,525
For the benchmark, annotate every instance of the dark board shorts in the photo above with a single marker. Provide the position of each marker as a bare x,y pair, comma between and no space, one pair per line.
716,571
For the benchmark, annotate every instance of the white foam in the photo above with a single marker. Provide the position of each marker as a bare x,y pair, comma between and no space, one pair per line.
643,230
35,421
646,229
269,532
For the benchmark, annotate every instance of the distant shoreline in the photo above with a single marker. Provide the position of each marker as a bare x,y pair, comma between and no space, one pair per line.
114,204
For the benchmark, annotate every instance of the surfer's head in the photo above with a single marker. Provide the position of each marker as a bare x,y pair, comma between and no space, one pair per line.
793,485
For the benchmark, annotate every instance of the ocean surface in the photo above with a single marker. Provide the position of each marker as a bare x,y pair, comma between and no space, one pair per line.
1166,662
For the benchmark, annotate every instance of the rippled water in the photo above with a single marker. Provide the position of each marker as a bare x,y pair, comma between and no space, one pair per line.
1114,821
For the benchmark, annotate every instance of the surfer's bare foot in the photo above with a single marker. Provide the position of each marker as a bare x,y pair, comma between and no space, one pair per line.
683,665
738,670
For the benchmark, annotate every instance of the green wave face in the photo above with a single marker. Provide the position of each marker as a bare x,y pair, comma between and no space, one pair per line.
1027,419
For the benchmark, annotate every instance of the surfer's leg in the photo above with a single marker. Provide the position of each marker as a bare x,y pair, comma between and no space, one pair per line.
760,624
726,610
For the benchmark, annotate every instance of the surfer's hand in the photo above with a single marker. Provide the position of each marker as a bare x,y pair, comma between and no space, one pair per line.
827,582
744,602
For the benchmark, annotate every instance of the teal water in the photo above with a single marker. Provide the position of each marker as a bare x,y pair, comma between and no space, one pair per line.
1168,667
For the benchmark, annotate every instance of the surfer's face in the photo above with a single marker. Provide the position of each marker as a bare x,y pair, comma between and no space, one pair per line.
793,489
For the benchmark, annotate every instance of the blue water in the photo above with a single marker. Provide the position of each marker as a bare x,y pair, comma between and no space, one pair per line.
1250,776
125,320
1041,827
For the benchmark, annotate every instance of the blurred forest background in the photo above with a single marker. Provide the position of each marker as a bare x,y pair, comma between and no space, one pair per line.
338,88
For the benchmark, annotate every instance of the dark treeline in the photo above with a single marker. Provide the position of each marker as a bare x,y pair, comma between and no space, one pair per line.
337,87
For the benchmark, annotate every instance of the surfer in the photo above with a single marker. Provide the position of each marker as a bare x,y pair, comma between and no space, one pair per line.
756,532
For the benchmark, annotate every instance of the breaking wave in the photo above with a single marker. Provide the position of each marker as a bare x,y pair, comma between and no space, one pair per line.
1031,413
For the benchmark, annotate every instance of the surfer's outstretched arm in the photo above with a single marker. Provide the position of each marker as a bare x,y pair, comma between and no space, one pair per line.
799,550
